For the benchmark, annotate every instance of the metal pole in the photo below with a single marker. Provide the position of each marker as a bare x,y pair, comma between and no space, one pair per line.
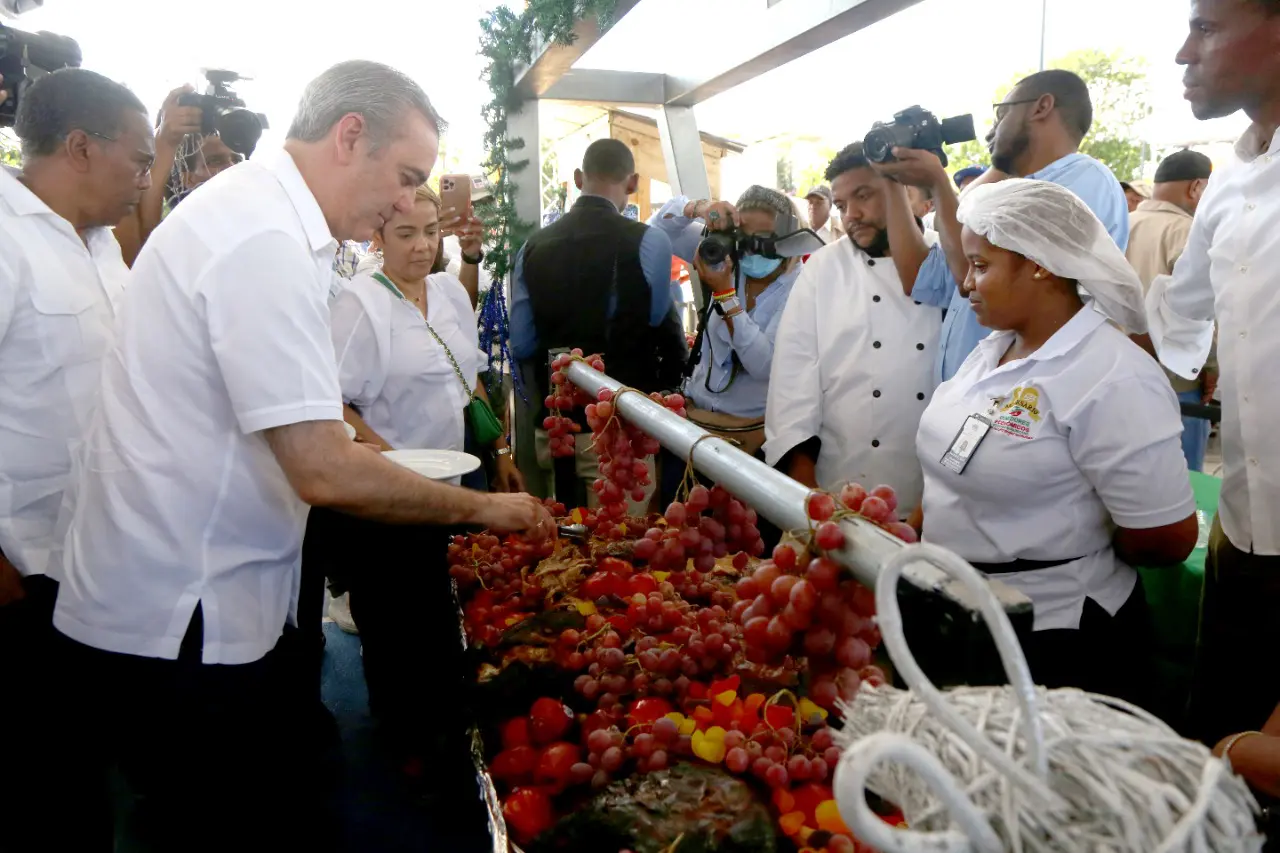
1044,17
779,498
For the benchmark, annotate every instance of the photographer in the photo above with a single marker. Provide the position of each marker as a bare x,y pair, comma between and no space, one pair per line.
211,157
1037,135
853,362
87,148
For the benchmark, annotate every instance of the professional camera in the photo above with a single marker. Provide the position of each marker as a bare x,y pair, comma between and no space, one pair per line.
734,243
25,58
224,113
916,127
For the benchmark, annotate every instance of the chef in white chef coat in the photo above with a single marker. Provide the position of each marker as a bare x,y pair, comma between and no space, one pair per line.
852,364
1053,457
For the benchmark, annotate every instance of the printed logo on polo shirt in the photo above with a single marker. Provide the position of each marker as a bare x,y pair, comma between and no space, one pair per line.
1020,416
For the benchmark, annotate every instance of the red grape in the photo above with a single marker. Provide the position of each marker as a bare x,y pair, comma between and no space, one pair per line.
780,589
902,530
611,759
821,506
658,759
803,597
819,641
784,556
665,730
798,768
886,494
818,769
776,776
824,574
829,536
853,652
737,760
875,509
778,635
675,514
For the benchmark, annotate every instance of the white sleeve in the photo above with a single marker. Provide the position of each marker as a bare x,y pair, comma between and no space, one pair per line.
361,352
269,330
8,296
1126,438
1180,307
793,408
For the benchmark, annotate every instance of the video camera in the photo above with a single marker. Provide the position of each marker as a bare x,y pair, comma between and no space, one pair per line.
916,127
224,113
734,243
25,58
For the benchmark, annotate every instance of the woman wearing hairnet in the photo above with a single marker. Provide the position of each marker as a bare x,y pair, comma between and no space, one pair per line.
1052,459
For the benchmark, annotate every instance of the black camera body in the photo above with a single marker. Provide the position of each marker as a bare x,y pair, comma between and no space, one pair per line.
916,127
25,58
223,112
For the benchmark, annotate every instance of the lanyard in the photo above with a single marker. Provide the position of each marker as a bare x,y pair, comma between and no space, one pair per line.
389,285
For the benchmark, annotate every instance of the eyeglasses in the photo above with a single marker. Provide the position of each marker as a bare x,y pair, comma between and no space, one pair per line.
1002,108
143,167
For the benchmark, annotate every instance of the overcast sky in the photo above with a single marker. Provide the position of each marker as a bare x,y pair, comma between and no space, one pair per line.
948,55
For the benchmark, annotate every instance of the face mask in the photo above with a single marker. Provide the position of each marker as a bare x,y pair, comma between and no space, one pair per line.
758,266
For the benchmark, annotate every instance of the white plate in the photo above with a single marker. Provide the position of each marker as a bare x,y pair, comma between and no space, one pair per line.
436,464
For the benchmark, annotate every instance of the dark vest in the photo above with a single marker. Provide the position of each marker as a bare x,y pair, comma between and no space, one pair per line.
577,268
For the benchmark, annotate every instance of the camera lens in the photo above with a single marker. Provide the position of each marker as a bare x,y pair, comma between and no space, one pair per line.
713,251
880,141
958,129
240,131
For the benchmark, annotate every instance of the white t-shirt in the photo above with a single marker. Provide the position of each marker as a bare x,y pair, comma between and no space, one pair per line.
57,318
394,372
1085,436
223,333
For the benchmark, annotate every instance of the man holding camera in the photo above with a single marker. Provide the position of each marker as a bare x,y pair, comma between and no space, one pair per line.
1037,135
220,423
853,362
87,148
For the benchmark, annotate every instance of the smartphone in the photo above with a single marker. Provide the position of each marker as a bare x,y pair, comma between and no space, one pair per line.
455,192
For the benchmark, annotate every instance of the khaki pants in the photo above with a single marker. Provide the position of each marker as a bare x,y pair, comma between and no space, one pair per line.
586,465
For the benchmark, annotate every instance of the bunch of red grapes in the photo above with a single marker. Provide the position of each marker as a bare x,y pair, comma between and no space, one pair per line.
564,396
727,527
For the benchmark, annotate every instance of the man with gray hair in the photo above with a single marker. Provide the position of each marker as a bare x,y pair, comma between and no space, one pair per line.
220,424
87,148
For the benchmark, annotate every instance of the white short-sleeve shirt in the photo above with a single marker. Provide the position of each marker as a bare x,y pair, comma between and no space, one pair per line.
391,368
57,296
1085,436
223,333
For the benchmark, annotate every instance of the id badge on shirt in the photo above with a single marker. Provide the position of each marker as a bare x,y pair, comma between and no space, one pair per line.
965,444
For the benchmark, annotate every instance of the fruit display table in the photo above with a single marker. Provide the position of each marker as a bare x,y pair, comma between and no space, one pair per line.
1173,594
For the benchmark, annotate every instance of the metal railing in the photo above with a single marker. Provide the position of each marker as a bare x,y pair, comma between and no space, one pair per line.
781,499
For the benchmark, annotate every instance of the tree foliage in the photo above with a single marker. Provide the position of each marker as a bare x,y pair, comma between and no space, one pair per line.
10,155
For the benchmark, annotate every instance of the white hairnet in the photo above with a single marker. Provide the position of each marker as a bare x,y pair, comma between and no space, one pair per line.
1050,225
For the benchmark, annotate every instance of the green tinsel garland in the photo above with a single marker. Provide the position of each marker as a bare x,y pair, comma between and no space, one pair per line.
506,42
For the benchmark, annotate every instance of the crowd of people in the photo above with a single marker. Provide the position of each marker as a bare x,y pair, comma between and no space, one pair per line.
196,384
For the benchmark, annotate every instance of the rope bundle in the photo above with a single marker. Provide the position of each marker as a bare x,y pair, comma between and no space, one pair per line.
1021,768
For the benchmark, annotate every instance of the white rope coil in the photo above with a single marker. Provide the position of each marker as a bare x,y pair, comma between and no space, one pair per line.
1059,771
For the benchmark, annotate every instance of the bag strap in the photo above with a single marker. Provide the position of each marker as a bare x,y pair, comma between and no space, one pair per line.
457,371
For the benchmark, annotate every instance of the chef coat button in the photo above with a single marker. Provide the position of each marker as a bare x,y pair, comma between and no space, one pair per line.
875,393
1195,370
918,302
875,298
875,344
919,346
920,395
875,442
871,262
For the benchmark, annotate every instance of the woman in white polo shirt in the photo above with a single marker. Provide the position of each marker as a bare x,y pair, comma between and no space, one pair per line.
1052,459
406,344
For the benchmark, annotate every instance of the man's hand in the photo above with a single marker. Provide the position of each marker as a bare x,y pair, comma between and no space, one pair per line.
519,513
1208,385
718,280
176,122
719,215
507,477
11,590
914,168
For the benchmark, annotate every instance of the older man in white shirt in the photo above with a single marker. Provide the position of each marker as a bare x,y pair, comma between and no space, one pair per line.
87,146
853,361
1230,269
221,421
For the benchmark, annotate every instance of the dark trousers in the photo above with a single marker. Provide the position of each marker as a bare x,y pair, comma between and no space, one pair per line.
212,754
51,798
1236,684
1107,654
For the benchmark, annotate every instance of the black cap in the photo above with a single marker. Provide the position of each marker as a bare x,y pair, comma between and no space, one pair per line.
1185,165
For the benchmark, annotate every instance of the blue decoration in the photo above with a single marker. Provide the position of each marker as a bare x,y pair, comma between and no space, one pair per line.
495,339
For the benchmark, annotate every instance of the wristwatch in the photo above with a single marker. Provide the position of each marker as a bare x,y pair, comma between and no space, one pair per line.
503,451
726,303
472,259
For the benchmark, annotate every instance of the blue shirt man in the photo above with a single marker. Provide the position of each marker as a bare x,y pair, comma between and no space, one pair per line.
1037,135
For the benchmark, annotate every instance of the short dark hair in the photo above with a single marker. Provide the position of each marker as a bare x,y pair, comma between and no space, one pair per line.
610,159
71,99
850,157
1184,165
1070,97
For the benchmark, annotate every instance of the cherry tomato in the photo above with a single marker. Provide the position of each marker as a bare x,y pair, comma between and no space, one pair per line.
555,764
528,813
648,710
549,719
515,732
514,766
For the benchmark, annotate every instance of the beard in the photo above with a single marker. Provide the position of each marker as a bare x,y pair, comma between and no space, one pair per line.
1004,156
879,245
